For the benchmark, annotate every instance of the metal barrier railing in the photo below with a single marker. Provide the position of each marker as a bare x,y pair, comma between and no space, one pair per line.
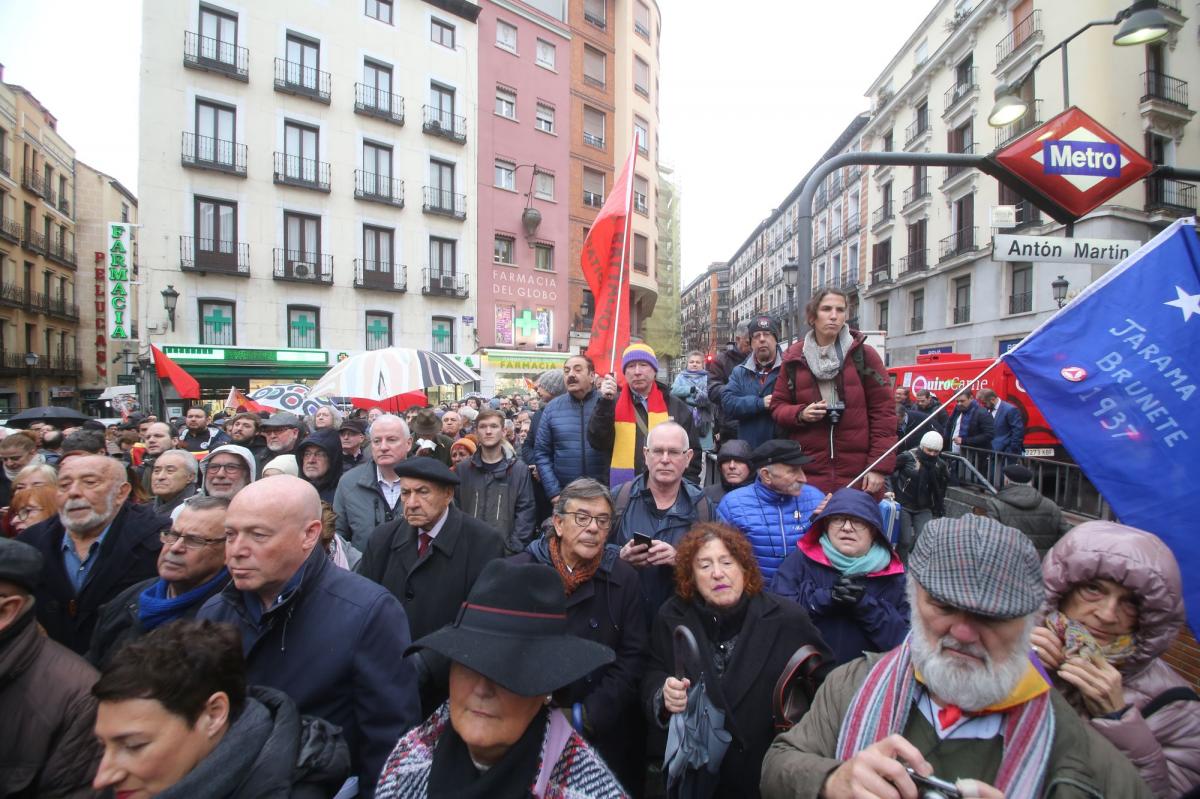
1063,483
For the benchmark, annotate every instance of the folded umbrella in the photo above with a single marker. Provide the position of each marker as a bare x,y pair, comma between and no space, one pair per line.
696,738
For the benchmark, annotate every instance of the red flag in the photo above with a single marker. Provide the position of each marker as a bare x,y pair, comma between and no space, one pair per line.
605,265
237,402
166,369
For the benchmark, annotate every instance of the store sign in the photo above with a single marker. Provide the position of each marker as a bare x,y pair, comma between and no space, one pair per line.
120,268
1061,250
244,355
61,392
508,283
525,361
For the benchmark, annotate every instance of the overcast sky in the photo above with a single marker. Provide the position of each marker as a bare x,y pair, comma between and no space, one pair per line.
753,91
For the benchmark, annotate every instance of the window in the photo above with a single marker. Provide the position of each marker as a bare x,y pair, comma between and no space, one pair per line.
442,33
543,185
641,188
885,199
545,323
379,330
593,127
641,246
441,257
304,327
216,232
301,244
917,303
218,36
917,245
377,248
441,179
641,134
546,54
380,10
641,20
504,250
888,142
962,299
300,152
506,35
506,103
215,126
443,334
505,317
595,13
377,170
593,66
641,77
303,62
217,323
852,264
543,257
505,176
441,105
922,53
544,119
593,188
1021,299
923,116
377,85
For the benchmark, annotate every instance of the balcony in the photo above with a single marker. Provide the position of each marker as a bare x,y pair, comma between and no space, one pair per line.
444,123
1020,303
64,206
953,173
220,257
594,20
962,314
882,215
592,140
63,365
378,188
916,324
821,199
1170,197
1164,103
13,295
915,261
436,283
59,251
210,55
914,132
381,275
374,102
32,181
593,199
966,86
1028,215
958,243
11,229
1024,35
853,225
58,306
1010,133
853,173
302,266
34,241
445,203
5,164
50,196
881,274
914,194
835,182
302,81
205,152
303,173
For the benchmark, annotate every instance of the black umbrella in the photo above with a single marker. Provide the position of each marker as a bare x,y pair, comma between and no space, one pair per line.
696,738
59,417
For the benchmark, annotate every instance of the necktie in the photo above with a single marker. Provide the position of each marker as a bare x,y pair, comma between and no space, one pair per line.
423,540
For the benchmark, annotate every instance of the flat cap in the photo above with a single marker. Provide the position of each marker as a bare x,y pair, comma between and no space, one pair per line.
979,565
431,469
357,425
779,450
734,450
20,563
281,419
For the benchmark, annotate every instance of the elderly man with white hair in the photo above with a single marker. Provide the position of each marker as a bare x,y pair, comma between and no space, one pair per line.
368,494
173,479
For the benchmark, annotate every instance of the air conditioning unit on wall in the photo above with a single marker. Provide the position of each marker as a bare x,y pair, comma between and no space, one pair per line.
447,282
303,269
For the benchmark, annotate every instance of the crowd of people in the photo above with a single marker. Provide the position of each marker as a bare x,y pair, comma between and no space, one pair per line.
613,587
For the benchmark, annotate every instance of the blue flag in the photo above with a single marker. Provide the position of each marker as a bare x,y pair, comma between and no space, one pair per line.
1116,375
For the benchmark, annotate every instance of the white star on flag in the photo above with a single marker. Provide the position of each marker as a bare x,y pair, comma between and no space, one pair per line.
1188,303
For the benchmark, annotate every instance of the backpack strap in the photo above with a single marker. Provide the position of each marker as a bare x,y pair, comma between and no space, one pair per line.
621,500
864,371
703,509
1179,693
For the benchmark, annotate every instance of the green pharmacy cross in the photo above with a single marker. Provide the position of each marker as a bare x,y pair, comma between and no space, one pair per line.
217,320
527,323
441,333
377,328
303,326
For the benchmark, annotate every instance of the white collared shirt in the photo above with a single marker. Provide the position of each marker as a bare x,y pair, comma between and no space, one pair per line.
389,488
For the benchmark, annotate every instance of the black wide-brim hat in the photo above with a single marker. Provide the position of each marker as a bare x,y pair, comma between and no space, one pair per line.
512,629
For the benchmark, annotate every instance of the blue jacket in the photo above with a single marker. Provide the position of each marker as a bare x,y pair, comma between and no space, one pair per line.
335,644
773,522
742,400
561,451
878,622
1008,433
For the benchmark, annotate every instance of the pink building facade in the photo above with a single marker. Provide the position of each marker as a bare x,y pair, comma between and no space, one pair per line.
524,168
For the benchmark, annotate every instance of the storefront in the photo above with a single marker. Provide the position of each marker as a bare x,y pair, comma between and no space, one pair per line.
217,369
505,371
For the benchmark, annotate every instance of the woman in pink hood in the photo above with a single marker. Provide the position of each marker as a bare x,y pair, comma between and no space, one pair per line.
1114,603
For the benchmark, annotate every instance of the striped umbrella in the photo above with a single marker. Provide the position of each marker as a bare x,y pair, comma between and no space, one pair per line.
379,374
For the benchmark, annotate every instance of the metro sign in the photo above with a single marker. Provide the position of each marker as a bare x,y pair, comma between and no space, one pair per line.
1074,161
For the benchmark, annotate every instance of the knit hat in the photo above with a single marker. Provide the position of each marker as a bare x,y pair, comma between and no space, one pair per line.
764,324
932,440
1018,473
638,352
285,464
464,443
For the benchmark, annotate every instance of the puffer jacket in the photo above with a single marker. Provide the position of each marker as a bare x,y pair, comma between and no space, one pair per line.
867,427
1023,507
742,401
329,441
773,522
503,498
561,450
1166,746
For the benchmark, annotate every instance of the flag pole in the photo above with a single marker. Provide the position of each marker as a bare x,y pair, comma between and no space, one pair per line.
631,163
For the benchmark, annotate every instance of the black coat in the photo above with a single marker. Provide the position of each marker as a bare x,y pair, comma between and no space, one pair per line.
608,609
601,430
771,633
128,555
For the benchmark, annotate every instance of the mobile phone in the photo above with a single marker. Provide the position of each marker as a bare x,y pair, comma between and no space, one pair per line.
642,538
932,787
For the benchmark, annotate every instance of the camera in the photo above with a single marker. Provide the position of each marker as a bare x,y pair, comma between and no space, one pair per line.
834,411
933,788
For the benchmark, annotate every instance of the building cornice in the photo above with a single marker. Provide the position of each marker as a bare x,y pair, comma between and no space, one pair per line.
459,8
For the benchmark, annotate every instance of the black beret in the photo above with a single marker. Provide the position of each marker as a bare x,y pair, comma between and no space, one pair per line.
430,469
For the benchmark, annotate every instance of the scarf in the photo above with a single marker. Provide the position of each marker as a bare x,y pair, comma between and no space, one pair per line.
37,460
884,700
227,766
155,608
571,579
453,773
1078,640
628,424
826,362
874,559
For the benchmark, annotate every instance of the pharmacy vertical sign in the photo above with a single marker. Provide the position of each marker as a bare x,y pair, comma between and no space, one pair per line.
120,257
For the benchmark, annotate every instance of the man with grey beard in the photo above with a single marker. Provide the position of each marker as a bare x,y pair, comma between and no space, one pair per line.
959,700
97,546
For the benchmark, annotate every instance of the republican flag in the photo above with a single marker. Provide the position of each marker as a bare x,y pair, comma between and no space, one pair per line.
166,369
1116,373
605,265
237,402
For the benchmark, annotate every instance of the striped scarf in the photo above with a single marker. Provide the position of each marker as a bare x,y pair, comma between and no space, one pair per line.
882,704
624,453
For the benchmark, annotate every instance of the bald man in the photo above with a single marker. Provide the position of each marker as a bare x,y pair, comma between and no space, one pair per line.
332,640
97,546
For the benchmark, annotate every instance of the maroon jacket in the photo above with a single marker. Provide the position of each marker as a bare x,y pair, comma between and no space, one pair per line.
867,428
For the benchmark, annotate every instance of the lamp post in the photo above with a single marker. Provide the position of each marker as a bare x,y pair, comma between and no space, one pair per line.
170,301
531,217
1059,287
31,394
791,275
1141,23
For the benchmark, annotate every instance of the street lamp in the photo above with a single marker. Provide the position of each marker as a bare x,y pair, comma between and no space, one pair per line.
1141,23
31,362
791,276
1059,287
170,300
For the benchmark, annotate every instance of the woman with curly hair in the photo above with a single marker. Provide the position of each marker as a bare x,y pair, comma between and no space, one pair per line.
745,638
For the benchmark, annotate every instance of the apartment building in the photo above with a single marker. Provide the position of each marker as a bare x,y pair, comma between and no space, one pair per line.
662,327
704,307
935,284
308,177
39,311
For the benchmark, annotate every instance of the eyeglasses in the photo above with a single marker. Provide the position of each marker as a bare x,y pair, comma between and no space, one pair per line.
232,468
659,452
842,521
192,542
26,512
583,519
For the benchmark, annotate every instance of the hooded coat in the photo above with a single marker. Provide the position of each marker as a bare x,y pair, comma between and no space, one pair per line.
879,621
1165,747
246,455
1022,506
331,443
867,427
